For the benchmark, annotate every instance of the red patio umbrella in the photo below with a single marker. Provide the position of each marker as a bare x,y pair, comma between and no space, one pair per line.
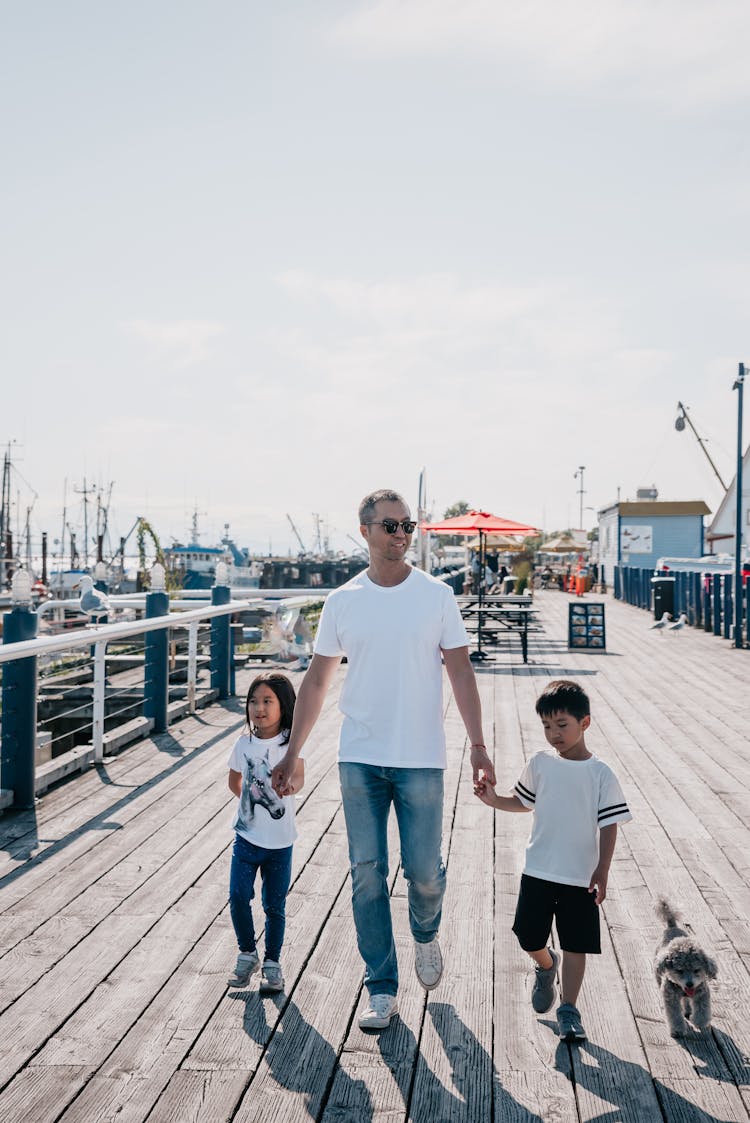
481,523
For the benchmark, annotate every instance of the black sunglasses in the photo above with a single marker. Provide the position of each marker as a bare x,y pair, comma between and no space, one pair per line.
390,526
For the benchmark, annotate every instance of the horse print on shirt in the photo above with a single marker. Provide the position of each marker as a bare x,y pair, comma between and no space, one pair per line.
257,791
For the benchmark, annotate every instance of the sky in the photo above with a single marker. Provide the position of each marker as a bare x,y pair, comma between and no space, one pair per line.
261,259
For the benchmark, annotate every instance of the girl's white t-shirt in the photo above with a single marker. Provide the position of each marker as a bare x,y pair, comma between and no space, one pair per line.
261,816
392,697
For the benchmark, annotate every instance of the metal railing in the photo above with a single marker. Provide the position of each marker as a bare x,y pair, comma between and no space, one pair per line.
705,599
19,693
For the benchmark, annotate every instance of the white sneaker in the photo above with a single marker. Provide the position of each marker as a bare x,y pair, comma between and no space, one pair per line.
247,965
428,963
379,1011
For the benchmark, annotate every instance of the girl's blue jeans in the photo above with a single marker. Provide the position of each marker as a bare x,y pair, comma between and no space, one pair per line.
417,797
276,873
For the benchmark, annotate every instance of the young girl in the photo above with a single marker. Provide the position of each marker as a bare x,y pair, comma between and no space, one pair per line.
264,826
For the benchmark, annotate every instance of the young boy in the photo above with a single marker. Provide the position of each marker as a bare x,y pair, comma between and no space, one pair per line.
578,803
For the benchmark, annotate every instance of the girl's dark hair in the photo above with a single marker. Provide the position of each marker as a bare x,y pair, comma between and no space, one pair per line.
563,696
285,693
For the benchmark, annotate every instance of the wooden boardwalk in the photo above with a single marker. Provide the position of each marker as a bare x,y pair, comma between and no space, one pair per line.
115,939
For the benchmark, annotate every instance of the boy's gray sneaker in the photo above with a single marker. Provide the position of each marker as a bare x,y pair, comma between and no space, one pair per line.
543,991
569,1023
247,965
271,978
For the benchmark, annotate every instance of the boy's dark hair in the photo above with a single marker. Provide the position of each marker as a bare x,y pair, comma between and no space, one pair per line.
284,691
563,696
367,506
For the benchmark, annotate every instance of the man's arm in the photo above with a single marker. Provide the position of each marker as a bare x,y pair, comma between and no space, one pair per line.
307,709
464,684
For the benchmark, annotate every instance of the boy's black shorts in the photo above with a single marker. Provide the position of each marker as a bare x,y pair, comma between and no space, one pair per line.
572,907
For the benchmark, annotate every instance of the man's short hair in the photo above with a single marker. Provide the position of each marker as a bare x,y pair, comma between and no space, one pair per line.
563,696
367,506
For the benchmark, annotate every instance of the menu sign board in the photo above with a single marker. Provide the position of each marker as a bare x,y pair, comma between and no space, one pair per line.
586,626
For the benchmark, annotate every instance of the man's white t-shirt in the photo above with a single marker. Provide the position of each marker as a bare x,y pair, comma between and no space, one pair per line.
392,697
261,816
572,800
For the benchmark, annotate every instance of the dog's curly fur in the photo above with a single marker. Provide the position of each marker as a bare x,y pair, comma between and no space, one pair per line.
683,971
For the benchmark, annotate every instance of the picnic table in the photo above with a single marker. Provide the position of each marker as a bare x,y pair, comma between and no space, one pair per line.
499,611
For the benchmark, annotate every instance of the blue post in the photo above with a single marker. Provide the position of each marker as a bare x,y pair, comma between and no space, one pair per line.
727,579
19,710
738,582
221,633
716,603
156,669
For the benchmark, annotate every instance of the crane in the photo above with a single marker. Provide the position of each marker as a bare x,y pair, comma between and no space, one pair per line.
296,534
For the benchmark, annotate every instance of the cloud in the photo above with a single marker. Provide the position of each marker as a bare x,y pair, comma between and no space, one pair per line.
176,343
682,53
439,320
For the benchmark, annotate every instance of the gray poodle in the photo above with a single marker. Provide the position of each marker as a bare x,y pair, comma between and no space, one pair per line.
682,971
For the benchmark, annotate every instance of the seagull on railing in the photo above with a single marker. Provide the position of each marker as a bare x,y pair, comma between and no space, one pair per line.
92,603
679,623
666,617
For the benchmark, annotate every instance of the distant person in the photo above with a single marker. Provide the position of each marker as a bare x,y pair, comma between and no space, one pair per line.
264,827
577,804
393,623
476,572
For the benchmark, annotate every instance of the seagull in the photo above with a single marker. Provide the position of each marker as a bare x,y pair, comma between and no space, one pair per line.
93,603
679,623
663,622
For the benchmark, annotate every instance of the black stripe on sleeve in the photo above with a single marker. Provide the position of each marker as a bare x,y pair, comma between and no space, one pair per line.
525,793
612,812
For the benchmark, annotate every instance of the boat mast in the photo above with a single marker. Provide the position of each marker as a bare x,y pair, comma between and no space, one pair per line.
5,519
61,561
84,491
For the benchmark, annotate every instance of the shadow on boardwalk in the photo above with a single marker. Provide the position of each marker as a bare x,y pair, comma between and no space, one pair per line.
300,1060
630,1087
426,1099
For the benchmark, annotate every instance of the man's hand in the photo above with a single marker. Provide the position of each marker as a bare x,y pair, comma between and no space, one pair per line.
480,762
281,777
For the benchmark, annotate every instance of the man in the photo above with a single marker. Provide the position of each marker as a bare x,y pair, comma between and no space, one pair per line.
393,623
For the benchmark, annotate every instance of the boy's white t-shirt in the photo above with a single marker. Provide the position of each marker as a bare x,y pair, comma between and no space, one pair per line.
261,816
572,800
392,697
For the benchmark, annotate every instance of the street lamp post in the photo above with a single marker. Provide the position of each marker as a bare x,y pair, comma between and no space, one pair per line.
579,475
738,386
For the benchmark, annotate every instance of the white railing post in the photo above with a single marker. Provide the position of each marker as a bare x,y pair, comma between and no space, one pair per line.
100,667
192,673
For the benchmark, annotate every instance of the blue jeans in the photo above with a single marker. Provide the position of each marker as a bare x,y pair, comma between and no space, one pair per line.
417,797
276,872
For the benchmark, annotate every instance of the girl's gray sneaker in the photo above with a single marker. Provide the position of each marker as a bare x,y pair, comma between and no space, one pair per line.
271,978
247,965
569,1023
543,992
